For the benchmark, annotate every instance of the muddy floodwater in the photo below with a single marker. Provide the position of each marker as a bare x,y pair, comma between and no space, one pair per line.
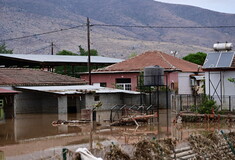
28,133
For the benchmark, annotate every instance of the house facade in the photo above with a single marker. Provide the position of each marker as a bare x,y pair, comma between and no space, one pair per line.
219,68
126,75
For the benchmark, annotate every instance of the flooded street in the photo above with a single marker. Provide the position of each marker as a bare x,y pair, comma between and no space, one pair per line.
32,126
18,136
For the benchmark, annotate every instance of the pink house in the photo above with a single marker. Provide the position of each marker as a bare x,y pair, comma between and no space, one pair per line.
125,74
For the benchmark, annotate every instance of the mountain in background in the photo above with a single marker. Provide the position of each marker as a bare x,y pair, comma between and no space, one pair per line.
28,17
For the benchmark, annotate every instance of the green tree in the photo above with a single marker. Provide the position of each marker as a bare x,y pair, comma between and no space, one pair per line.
65,52
83,52
197,58
67,70
74,70
3,49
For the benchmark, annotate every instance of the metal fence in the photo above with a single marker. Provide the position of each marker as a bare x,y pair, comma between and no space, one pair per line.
186,102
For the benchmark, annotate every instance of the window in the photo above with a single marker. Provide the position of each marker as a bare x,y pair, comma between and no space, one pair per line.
103,84
96,98
123,83
123,80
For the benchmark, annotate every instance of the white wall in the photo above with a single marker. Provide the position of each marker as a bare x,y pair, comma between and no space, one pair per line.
184,86
224,89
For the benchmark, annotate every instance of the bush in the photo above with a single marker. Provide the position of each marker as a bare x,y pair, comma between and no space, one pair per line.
206,106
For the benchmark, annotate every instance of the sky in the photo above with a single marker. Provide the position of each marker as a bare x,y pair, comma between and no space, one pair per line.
225,6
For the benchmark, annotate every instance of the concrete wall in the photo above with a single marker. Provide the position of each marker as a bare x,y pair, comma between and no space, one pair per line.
112,99
108,100
131,99
62,104
49,104
184,83
162,99
28,102
33,102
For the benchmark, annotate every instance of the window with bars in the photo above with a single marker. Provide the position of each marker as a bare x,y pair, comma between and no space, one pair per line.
123,83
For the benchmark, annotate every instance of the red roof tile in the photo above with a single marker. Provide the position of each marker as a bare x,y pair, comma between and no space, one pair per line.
152,58
23,76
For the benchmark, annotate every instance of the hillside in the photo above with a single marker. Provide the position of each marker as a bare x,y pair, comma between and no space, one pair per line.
27,17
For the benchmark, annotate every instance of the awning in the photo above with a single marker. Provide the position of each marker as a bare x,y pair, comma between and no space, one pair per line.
76,89
199,78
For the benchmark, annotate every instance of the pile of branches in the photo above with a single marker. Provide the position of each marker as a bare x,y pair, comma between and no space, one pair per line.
211,146
145,149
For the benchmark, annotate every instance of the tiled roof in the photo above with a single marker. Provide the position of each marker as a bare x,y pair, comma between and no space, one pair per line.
152,58
33,77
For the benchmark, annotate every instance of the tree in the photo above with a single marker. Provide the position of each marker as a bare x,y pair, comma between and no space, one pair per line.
197,58
83,52
65,52
68,70
74,70
3,49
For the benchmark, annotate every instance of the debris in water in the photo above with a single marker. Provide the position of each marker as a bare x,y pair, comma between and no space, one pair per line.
133,120
116,153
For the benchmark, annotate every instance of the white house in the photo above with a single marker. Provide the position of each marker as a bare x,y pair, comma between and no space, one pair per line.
219,69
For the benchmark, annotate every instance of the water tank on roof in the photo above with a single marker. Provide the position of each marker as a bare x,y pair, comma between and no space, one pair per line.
223,46
153,76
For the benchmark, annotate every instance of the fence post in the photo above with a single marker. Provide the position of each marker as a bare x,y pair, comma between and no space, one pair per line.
229,103
180,102
64,153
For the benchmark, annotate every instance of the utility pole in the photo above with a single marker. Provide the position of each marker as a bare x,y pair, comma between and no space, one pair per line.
89,50
52,48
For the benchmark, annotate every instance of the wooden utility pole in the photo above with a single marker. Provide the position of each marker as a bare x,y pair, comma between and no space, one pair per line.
52,48
89,50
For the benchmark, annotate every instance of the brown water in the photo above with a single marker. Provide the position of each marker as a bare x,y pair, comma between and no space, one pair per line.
33,127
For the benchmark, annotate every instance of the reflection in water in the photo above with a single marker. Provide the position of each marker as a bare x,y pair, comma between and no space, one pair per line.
31,126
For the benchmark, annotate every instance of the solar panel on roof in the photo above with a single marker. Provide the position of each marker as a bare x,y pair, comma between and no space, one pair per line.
211,60
219,60
226,59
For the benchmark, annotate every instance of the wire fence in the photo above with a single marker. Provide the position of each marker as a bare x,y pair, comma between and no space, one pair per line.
187,102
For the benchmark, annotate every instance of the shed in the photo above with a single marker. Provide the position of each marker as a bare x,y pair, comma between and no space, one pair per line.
219,67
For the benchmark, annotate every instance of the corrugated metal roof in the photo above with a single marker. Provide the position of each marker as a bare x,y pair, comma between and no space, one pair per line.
76,89
61,58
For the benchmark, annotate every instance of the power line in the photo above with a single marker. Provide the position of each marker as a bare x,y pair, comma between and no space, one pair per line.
170,27
122,26
38,50
39,34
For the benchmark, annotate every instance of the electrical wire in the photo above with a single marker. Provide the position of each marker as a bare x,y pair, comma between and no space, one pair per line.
39,34
37,50
122,26
174,27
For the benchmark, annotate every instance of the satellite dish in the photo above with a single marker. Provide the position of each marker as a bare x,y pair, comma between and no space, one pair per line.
174,52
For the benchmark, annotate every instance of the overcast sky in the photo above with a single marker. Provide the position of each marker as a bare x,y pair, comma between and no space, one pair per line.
226,6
